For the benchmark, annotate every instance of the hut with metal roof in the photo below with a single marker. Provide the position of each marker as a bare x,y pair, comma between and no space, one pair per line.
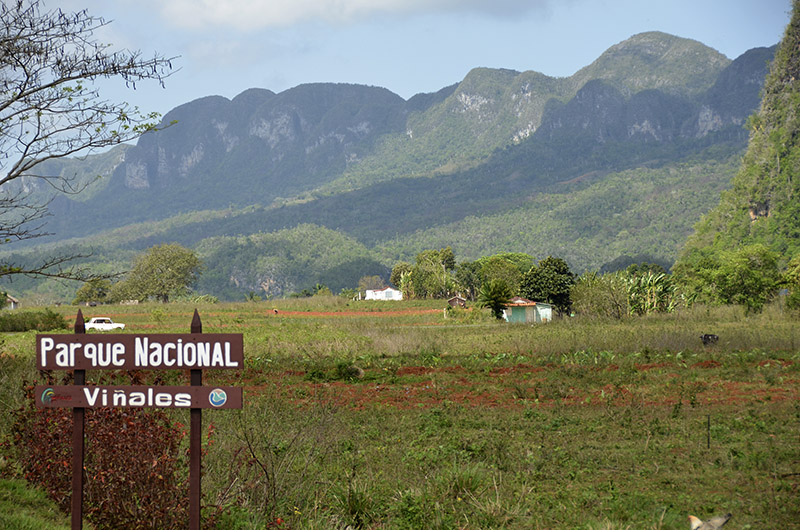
524,311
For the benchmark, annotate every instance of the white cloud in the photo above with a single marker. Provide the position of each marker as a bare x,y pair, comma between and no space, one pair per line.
254,14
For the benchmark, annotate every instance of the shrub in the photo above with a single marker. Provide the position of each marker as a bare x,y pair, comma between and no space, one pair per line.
135,473
29,320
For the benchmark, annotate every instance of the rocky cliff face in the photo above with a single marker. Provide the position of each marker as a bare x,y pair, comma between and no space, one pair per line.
261,147
307,132
603,113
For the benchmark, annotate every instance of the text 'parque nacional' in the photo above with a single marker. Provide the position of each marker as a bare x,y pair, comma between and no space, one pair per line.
140,352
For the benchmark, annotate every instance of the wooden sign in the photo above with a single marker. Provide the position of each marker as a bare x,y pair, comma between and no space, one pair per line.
194,351
187,397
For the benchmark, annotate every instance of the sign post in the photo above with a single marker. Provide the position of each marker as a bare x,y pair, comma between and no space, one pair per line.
195,429
194,352
78,415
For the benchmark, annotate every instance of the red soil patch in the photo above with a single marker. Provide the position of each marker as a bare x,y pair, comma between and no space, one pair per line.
651,366
517,369
354,313
501,389
414,370
707,364
783,362
413,395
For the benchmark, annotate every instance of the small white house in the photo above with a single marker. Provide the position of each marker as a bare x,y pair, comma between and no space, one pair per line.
387,293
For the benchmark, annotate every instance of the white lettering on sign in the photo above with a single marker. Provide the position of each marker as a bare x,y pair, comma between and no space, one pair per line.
133,352
178,354
64,353
104,355
91,395
96,396
120,398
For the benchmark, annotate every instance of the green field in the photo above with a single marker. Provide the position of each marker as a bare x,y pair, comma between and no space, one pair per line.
389,415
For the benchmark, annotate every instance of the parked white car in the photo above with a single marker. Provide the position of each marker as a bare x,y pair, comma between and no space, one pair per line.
103,324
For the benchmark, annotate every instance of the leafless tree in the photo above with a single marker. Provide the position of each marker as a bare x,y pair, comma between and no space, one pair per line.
51,107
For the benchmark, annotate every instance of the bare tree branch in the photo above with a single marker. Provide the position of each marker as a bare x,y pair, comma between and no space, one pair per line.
51,108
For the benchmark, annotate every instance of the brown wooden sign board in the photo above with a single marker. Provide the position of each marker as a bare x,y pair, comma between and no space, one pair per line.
90,396
193,352
163,351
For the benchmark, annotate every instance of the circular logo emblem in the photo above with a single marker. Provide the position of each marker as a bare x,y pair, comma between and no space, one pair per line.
47,395
217,397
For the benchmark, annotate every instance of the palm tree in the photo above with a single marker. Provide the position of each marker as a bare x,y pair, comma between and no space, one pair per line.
495,295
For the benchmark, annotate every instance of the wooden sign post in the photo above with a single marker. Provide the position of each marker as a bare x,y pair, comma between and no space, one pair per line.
79,378
194,352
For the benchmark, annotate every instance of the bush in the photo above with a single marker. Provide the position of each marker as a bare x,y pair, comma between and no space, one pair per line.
27,321
135,473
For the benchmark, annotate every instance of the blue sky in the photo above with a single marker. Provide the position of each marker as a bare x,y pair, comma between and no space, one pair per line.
406,46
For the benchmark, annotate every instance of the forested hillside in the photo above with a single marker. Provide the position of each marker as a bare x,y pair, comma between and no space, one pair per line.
738,249
762,206
326,183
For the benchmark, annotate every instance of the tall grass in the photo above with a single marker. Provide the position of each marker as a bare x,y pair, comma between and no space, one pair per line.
23,508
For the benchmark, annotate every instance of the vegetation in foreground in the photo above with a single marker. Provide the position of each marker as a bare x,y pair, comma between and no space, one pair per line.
23,508
389,415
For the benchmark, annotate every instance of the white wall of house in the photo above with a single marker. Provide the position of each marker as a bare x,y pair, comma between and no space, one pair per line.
383,294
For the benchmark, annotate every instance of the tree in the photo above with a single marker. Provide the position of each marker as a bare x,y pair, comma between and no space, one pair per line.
50,108
522,261
651,292
550,281
322,290
748,276
603,295
370,282
694,272
791,279
163,271
643,268
400,268
433,274
468,278
95,290
499,268
495,294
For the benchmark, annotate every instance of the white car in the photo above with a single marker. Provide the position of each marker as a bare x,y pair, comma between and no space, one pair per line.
103,324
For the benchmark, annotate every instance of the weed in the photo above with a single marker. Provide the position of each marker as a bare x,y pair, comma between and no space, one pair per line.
348,371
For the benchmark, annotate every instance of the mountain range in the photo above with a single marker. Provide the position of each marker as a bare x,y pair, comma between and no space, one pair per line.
325,183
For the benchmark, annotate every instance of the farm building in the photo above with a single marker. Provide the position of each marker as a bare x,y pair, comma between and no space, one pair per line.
457,301
11,302
520,310
387,293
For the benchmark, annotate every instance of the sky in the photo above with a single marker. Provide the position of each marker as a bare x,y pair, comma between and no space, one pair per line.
223,47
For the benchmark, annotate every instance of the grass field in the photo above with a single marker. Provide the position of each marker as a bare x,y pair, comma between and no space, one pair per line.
390,415
22,508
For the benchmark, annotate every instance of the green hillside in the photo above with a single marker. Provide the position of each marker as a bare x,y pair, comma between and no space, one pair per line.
280,263
656,61
635,212
762,205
